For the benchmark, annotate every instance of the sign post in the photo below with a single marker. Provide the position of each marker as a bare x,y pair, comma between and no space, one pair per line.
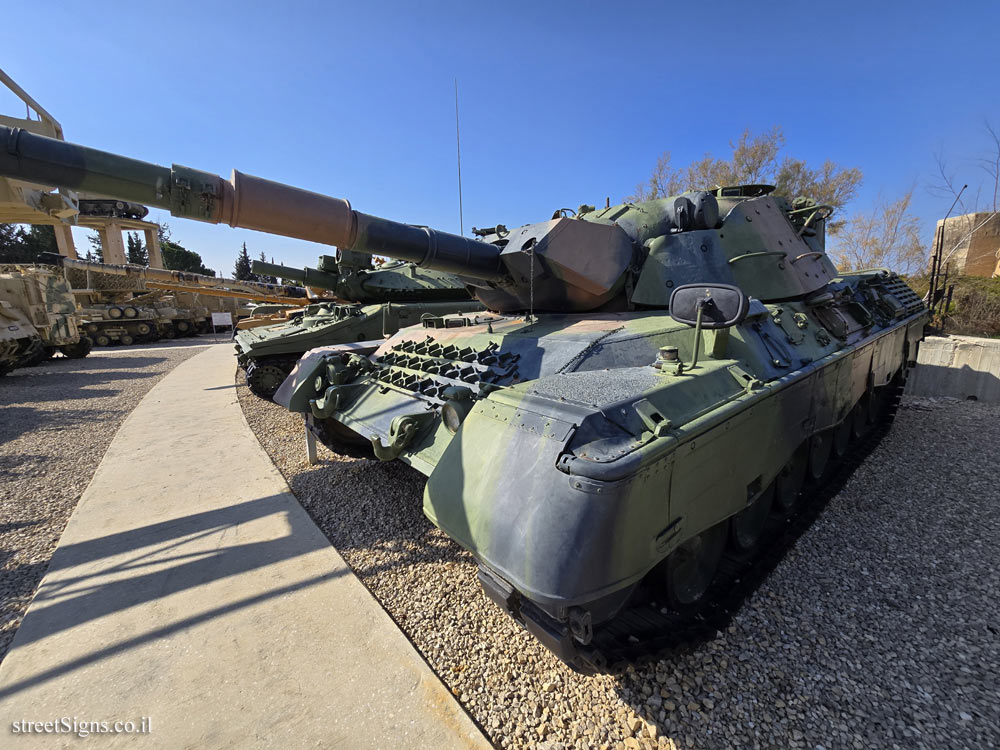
221,319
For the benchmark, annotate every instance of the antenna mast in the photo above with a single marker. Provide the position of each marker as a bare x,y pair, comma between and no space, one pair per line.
458,146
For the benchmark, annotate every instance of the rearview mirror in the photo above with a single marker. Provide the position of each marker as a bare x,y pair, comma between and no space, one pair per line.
721,305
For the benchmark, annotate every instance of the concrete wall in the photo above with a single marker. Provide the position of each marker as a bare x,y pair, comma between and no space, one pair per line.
958,366
976,255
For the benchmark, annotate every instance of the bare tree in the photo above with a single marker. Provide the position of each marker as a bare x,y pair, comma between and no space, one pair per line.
991,164
664,181
755,159
886,236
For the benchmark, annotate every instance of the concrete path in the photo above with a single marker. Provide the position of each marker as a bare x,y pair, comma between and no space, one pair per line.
191,590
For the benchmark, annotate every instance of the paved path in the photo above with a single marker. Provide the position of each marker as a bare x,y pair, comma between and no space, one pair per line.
191,588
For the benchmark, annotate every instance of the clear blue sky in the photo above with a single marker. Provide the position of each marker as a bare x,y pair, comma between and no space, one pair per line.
561,103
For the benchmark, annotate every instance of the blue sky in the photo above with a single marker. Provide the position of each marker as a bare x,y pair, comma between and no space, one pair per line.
561,103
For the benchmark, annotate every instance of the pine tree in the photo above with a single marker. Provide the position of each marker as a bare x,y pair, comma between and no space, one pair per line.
242,270
137,252
12,248
97,249
264,277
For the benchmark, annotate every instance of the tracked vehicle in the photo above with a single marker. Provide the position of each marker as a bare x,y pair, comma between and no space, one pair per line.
623,440
370,303
42,298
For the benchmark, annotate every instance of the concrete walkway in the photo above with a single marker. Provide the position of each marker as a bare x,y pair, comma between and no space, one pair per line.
192,590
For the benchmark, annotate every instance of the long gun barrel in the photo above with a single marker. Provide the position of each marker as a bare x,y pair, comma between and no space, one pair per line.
313,277
243,201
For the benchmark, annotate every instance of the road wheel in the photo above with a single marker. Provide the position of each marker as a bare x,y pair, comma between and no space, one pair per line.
182,326
820,446
130,312
102,340
860,422
686,575
115,313
788,483
92,328
142,329
842,437
78,350
126,340
264,378
746,526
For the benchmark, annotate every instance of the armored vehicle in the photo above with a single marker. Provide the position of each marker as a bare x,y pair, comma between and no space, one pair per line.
124,322
20,344
44,298
371,303
656,388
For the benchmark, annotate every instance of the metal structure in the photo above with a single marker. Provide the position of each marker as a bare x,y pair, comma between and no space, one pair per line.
125,304
656,392
26,202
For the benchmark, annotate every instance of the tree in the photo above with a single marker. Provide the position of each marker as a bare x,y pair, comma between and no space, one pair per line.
20,245
178,258
12,247
241,272
96,248
136,251
755,160
887,236
264,277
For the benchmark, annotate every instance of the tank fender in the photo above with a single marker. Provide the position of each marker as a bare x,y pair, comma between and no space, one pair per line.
299,387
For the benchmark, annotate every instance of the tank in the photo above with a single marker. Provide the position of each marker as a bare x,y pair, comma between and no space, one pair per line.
371,302
20,344
45,299
636,430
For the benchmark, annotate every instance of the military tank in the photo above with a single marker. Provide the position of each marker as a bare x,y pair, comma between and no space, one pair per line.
20,343
371,303
44,299
627,440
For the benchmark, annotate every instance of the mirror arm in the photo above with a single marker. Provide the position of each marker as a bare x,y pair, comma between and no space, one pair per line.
681,367
697,334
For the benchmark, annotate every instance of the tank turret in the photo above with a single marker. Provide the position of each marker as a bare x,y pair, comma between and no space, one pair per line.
352,277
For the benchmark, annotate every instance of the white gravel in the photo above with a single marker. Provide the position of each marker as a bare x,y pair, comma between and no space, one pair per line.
56,421
879,629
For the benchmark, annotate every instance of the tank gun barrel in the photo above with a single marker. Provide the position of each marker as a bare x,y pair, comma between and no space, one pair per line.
313,277
242,201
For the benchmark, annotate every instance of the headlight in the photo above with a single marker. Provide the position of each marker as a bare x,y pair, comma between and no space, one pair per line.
452,414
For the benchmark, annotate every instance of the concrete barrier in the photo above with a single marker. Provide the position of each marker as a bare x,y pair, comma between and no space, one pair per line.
957,366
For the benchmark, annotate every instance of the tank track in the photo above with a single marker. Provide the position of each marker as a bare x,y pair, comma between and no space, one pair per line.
645,631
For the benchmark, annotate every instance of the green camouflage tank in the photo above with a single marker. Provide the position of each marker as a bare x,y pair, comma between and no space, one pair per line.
371,303
657,392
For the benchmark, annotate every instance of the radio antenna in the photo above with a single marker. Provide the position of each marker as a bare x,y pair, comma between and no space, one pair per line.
458,147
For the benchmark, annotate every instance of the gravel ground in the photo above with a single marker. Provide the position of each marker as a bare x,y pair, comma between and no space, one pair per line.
877,630
56,421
